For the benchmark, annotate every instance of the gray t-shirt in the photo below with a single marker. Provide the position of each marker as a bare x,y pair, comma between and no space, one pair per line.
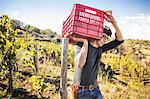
78,71
88,74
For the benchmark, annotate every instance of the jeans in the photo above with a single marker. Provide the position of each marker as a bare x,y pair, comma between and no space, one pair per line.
89,94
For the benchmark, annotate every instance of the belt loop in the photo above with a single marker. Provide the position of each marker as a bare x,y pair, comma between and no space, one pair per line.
91,87
83,89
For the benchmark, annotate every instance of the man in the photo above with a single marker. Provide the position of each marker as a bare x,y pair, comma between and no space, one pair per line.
87,58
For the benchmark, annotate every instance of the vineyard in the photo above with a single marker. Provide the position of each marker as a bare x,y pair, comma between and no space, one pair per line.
30,68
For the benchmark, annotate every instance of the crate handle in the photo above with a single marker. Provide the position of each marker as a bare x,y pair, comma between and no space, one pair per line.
90,11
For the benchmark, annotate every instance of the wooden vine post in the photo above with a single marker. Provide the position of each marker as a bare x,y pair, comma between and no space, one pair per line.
64,65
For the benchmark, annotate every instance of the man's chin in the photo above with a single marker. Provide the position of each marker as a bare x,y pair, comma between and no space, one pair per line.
101,45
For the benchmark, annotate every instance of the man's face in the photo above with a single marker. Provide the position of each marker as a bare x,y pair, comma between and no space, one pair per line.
103,40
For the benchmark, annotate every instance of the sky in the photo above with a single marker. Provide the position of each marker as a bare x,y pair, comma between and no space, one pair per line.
132,16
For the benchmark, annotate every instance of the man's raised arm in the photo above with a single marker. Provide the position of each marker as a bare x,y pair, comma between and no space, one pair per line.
110,18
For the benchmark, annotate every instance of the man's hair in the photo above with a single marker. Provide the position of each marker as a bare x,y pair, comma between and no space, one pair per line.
107,31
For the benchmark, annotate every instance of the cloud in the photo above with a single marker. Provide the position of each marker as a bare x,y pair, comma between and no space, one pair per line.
15,14
135,27
139,18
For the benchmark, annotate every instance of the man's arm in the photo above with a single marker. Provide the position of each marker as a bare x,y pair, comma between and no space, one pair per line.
118,36
111,19
80,58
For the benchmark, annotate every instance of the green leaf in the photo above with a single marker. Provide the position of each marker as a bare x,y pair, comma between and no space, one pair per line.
8,44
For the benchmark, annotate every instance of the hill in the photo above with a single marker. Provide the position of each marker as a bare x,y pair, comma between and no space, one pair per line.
32,67
29,30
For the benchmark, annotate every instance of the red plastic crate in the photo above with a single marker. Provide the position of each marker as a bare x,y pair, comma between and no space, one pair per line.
84,21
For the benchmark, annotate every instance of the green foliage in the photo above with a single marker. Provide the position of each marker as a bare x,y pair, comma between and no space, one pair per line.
71,56
124,65
8,48
130,75
37,83
40,86
128,71
8,44
26,52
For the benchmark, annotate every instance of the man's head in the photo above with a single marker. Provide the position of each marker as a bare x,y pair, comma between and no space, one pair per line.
105,36
107,31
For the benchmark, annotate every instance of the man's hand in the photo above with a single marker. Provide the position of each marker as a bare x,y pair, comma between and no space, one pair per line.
78,39
109,17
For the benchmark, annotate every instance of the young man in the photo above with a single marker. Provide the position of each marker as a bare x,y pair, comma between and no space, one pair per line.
87,58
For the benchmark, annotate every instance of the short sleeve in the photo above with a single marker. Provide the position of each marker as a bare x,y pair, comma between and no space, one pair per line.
77,48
